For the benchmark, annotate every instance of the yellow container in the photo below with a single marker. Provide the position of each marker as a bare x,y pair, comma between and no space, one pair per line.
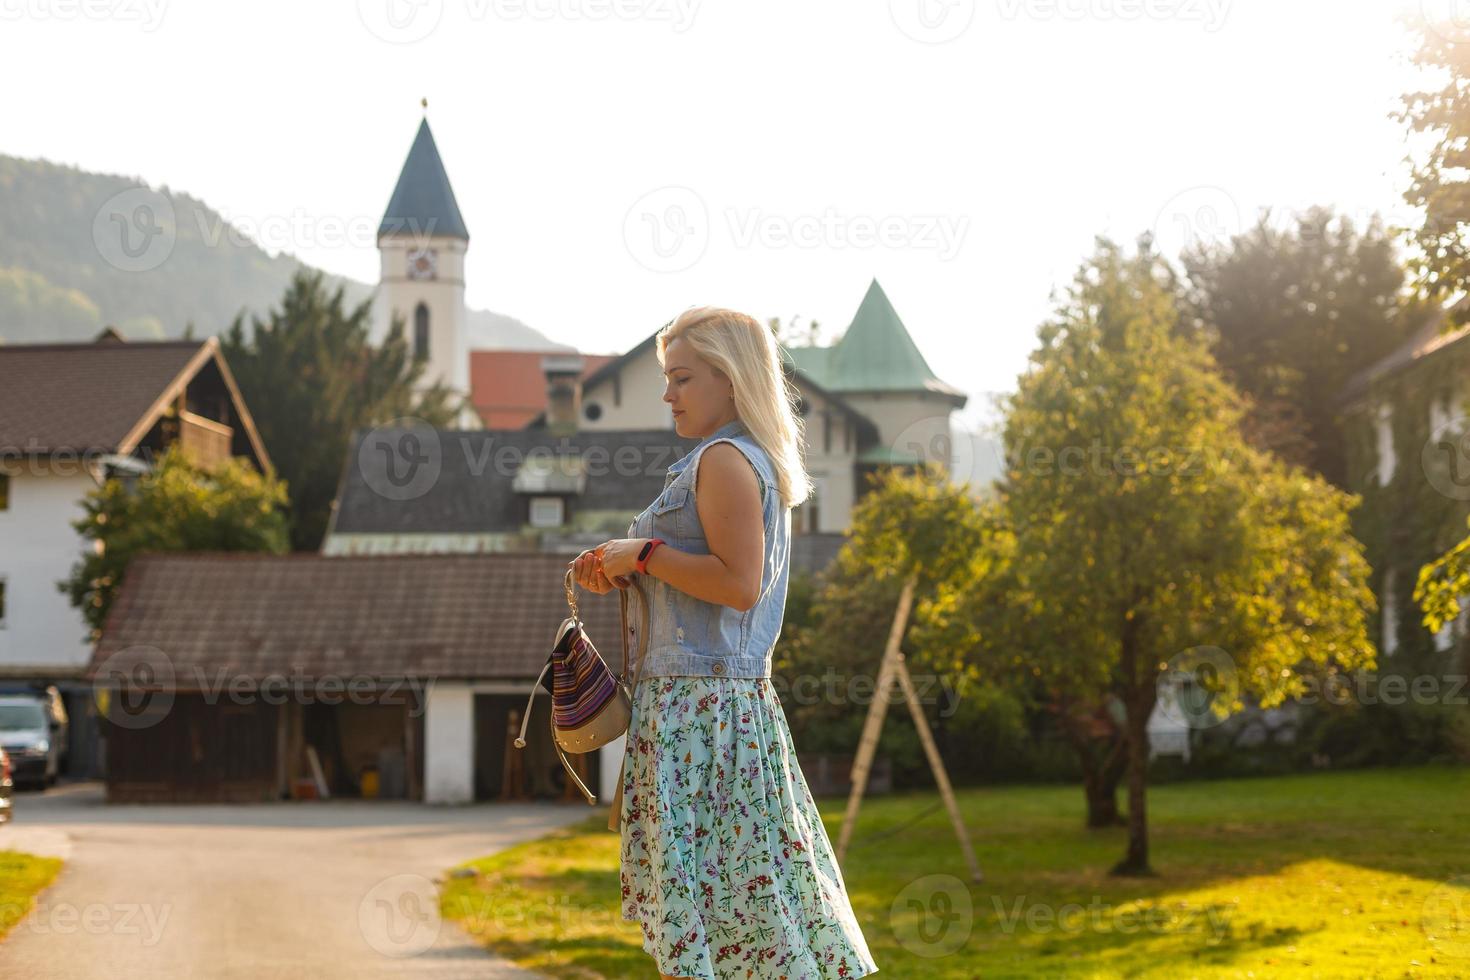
370,784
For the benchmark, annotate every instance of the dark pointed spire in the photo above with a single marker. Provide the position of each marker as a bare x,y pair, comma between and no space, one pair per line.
423,203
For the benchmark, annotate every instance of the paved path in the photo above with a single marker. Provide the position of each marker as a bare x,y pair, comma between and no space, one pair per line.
261,891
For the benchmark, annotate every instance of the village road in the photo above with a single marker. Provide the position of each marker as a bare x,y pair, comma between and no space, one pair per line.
321,889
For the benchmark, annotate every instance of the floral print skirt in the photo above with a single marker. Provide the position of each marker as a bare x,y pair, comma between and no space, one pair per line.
725,863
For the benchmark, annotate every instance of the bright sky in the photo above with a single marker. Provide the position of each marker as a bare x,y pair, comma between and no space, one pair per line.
619,160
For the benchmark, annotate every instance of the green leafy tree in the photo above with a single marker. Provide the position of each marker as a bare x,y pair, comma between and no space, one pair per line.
1440,183
1292,313
1146,526
311,376
176,507
911,522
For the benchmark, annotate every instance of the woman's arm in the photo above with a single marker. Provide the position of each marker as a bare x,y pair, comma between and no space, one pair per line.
727,498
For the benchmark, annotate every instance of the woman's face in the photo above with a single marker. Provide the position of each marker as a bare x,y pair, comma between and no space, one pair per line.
702,399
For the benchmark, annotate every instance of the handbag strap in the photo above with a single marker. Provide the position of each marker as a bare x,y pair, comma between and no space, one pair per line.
634,584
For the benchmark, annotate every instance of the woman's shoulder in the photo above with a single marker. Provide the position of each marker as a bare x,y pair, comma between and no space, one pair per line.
729,460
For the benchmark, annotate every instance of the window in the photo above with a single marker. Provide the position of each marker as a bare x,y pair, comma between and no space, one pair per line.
4,491
421,333
2,603
1388,604
547,512
1386,460
593,411
807,519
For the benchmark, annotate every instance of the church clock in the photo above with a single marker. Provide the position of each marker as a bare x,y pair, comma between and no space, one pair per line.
423,263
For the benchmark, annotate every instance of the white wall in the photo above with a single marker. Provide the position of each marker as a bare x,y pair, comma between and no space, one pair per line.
42,632
642,405
449,743
449,355
909,422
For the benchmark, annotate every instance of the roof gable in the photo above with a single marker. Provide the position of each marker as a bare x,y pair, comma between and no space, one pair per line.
101,396
423,203
877,353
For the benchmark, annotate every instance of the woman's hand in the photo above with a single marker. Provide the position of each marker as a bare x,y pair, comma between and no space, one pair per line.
591,572
620,557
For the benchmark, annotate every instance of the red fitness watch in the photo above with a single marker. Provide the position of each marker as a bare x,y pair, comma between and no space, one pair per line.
648,549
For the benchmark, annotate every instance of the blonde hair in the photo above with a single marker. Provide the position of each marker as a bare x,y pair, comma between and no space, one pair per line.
747,353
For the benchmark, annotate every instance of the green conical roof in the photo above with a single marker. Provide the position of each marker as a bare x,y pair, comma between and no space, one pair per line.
875,354
423,202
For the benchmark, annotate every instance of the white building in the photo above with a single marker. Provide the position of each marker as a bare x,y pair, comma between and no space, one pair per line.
72,416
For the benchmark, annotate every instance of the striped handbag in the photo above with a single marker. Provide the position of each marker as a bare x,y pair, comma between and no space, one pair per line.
590,705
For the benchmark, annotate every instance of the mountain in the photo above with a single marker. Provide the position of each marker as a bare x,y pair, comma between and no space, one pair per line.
80,250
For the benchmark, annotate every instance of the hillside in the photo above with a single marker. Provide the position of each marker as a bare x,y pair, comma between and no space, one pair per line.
67,268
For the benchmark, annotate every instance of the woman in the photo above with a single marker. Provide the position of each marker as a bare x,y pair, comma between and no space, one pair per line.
725,864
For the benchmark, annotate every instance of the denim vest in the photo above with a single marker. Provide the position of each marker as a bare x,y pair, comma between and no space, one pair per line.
689,636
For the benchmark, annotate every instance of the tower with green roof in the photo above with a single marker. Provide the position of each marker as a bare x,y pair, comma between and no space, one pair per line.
878,370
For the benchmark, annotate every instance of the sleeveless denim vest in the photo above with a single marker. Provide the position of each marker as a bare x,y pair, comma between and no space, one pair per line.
689,636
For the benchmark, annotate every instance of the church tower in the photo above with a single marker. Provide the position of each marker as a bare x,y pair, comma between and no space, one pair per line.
422,242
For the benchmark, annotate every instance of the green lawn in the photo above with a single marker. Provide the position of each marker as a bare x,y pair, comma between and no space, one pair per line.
22,876
1351,874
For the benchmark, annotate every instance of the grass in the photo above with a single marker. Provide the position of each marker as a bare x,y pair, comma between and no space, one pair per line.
22,876
1325,875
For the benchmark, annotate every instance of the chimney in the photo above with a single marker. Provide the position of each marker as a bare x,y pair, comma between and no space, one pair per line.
563,391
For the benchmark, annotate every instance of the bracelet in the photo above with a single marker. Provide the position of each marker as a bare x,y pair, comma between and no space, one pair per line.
648,549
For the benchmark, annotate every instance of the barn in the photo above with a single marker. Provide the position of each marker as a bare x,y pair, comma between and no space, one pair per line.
245,677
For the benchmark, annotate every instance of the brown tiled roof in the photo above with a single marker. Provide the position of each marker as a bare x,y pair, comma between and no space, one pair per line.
88,396
214,615
508,387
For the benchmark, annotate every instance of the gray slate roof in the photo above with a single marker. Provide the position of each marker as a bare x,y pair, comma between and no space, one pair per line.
423,203
467,483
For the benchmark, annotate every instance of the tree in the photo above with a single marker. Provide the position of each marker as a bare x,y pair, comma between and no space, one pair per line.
1145,526
910,522
311,376
1291,314
176,507
1440,184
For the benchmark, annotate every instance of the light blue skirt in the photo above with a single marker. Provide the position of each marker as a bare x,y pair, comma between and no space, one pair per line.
726,865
